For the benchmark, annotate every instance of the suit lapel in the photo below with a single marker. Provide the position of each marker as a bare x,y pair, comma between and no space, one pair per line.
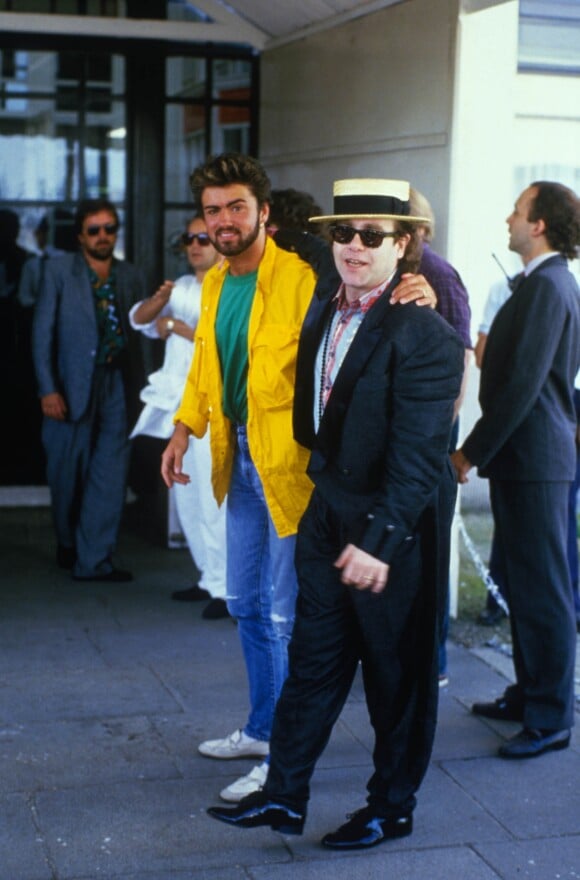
84,291
310,336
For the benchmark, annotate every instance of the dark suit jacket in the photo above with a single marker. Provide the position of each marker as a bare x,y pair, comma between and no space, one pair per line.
65,335
526,431
381,449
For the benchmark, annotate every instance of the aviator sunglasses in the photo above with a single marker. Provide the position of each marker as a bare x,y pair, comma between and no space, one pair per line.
371,238
110,229
202,238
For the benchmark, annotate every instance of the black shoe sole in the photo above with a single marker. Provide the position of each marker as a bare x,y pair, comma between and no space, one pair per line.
394,830
216,609
278,821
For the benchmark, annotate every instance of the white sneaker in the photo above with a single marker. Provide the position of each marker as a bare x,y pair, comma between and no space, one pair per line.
254,781
236,745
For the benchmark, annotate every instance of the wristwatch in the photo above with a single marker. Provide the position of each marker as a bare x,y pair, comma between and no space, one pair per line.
169,325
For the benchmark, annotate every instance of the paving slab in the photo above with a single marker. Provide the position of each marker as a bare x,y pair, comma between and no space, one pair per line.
22,852
97,751
434,864
541,859
143,826
82,693
527,797
62,646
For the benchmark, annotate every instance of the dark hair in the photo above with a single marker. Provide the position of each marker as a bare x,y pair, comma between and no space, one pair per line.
559,208
291,209
9,225
230,168
92,206
410,260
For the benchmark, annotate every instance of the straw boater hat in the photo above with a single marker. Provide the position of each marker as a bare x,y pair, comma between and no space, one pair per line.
371,198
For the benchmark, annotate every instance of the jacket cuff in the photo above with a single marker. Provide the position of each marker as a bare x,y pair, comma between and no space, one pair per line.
381,539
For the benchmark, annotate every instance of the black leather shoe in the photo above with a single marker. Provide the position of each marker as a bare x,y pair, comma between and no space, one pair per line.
500,710
365,829
258,809
192,594
115,576
215,609
529,743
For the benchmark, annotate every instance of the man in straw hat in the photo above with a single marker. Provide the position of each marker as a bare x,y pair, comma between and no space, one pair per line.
375,388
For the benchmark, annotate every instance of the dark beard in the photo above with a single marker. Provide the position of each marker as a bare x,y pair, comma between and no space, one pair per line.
230,249
100,255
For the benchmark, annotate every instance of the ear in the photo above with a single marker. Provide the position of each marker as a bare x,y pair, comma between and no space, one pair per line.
538,228
264,214
401,245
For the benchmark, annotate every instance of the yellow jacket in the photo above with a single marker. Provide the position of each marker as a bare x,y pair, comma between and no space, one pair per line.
283,292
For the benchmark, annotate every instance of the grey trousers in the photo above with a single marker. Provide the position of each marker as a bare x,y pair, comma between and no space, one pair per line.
87,464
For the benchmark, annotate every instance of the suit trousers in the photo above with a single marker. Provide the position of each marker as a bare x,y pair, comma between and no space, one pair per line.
531,532
87,473
392,634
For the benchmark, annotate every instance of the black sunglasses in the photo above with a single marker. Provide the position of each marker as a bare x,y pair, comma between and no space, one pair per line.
110,229
202,238
371,238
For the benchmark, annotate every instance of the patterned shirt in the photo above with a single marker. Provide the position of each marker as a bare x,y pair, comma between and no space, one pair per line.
335,343
111,337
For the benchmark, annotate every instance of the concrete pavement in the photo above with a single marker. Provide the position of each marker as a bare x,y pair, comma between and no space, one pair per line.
105,692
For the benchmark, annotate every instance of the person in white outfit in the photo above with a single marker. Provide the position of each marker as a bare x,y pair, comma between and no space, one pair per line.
172,314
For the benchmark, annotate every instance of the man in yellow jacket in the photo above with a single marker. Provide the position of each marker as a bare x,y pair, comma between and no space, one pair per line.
241,385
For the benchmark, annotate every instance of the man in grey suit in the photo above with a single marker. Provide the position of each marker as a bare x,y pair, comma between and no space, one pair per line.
525,443
86,360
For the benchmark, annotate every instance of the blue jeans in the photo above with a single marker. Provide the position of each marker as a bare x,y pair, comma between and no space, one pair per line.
261,588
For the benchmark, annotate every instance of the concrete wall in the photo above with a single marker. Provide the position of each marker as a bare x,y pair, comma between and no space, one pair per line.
370,98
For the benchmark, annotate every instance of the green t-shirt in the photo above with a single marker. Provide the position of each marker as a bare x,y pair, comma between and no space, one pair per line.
231,328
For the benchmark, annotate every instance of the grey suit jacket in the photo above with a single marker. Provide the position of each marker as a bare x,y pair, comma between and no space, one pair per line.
527,428
65,336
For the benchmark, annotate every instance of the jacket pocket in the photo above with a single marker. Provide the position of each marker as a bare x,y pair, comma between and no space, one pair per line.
273,365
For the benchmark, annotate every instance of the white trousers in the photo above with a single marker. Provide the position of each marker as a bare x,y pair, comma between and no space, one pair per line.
202,522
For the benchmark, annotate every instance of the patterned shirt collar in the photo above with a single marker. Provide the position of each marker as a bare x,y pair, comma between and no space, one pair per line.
364,302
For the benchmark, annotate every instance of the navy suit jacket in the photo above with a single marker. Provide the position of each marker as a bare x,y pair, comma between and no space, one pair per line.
65,336
381,449
528,423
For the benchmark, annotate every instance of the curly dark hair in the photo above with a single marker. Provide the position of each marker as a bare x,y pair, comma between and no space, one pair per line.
230,168
559,208
410,260
291,209
92,206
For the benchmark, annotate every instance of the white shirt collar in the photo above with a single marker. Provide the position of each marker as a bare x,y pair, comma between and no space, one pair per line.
537,261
